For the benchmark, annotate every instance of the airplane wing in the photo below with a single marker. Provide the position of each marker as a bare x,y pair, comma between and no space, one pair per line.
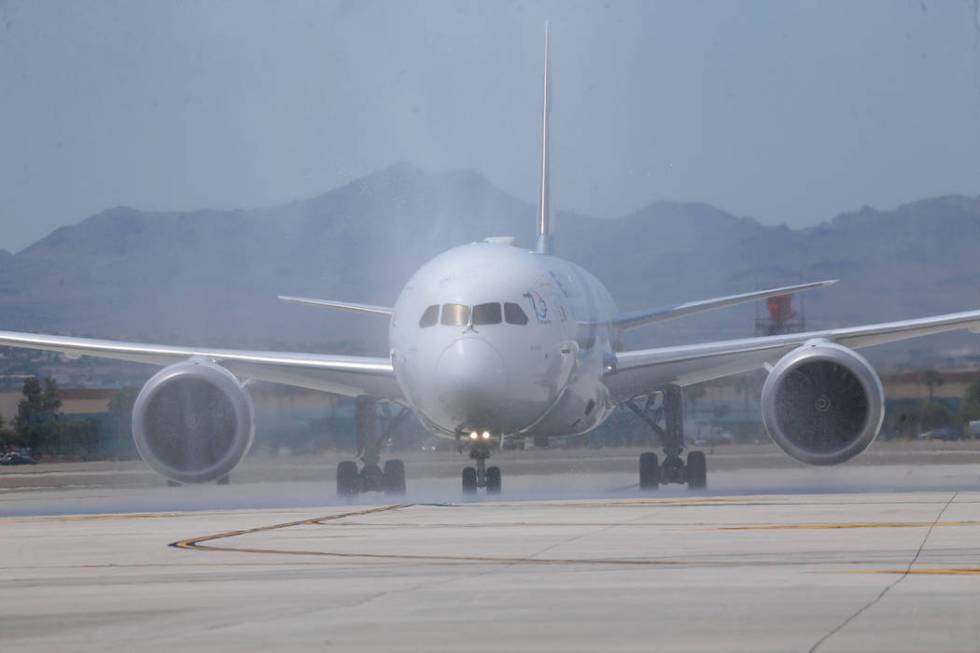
639,372
345,375
343,306
634,319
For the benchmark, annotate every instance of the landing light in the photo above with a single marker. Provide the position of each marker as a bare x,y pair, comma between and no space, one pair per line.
486,435
474,435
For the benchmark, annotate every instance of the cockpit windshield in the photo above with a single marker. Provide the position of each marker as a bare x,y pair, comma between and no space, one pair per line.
455,314
514,314
487,314
461,315
430,316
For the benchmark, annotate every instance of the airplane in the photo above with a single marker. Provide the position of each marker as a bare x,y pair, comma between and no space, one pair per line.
490,342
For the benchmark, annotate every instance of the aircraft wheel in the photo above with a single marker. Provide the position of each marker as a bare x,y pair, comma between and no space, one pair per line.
649,471
469,480
348,480
393,479
697,471
493,480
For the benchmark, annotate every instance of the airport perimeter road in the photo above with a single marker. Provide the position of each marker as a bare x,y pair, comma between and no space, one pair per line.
835,571
261,467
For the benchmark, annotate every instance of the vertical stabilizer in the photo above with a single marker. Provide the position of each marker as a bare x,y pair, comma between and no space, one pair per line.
544,195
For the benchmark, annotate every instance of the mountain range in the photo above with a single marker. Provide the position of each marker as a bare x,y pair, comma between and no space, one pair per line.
212,276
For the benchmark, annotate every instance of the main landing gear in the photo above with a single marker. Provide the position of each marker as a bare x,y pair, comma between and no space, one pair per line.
371,477
670,411
481,475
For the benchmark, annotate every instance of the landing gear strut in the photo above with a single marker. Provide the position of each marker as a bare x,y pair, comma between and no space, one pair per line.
481,475
371,477
674,469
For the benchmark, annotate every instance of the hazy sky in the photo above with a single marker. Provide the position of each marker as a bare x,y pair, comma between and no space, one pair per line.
789,112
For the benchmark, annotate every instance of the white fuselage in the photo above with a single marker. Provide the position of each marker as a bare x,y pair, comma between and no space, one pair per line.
516,346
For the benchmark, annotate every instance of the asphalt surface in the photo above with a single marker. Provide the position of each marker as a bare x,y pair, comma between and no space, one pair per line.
880,556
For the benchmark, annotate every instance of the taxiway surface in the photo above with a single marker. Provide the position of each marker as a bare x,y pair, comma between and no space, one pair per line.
841,563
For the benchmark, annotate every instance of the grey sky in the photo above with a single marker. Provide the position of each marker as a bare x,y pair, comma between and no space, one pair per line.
789,112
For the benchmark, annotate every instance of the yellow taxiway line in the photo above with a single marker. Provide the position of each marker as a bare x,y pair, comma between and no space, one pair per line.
831,526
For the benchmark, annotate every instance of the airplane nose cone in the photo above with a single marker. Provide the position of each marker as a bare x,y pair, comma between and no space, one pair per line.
472,382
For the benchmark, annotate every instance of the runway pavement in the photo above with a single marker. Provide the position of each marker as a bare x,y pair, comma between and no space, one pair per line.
854,558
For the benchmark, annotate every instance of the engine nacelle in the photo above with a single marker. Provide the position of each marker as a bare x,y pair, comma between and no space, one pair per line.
193,422
823,403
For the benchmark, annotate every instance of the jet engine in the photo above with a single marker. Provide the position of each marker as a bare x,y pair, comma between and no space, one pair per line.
193,422
823,403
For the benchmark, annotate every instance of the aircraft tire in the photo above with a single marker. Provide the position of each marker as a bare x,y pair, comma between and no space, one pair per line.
697,471
348,480
393,480
493,480
649,471
469,480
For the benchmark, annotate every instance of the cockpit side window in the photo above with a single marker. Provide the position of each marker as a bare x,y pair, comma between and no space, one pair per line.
430,316
455,314
487,314
514,314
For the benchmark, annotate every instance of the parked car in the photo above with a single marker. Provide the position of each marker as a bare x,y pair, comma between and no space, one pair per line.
17,458
940,434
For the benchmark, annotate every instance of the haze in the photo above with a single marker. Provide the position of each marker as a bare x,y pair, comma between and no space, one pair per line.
788,112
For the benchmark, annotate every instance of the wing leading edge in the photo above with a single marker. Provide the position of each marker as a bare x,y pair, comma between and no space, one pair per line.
344,375
371,309
634,319
643,371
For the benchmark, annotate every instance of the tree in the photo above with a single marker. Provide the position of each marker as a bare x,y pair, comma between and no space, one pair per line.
36,423
931,379
930,414
51,397
7,439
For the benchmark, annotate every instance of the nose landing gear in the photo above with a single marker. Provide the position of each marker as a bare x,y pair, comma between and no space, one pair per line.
481,475
674,469
371,477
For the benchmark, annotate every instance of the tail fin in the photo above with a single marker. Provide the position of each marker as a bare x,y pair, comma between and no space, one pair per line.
544,196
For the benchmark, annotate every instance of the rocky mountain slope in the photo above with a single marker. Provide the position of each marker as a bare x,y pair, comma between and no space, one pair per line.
213,276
